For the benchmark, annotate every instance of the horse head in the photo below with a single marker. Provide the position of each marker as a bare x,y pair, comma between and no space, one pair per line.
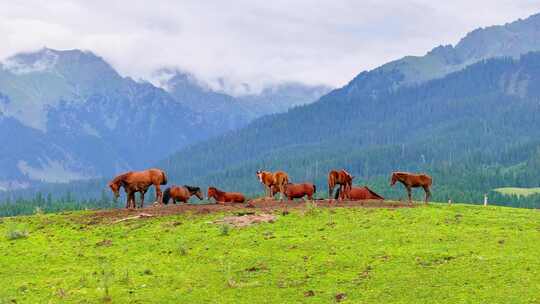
198,193
115,188
394,179
212,191
259,175
194,191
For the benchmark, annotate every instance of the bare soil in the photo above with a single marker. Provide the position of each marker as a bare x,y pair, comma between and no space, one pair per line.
253,206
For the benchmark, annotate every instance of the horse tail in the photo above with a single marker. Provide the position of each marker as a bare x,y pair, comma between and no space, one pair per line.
166,195
164,179
314,188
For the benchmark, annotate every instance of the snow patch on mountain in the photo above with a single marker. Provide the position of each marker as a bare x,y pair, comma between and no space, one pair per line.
21,65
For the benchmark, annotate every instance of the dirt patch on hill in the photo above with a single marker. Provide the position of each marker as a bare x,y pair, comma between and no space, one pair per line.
260,205
246,220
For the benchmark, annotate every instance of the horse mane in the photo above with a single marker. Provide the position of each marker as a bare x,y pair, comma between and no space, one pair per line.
120,178
216,190
192,188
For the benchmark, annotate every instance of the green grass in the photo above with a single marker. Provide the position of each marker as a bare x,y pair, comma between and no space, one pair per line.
518,191
434,254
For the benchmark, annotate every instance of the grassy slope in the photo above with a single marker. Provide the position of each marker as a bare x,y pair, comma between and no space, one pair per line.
518,191
457,254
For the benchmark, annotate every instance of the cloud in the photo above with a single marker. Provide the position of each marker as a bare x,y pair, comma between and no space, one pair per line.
249,41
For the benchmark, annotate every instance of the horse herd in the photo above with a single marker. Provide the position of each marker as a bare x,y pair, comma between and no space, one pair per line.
273,182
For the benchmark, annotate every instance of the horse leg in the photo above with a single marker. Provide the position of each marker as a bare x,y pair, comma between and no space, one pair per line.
127,200
428,194
159,195
142,198
130,196
409,194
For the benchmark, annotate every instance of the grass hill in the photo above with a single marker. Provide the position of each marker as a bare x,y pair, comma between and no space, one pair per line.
433,254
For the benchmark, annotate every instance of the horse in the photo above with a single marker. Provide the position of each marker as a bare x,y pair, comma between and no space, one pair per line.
293,191
411,180
341,178
181,194
358,193
225,197
138,181
268,179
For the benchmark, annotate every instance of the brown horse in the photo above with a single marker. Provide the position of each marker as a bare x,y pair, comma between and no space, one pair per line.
341,178
358,194
293,191
410,180
269,179
138,181
225,197
181,194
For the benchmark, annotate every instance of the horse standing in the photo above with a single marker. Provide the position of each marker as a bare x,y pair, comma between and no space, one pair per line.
293,191
411,180
341,178
269,179
138,181
181,194
225,197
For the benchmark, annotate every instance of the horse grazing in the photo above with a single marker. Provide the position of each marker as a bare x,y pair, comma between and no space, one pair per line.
341,178
358,194
181,194
138,181
293,191
269,179
410,180
225,197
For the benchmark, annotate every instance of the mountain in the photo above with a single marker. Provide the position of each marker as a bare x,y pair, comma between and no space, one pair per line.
69,115
453,112
236,111
509,40
281,97
222,110
466,123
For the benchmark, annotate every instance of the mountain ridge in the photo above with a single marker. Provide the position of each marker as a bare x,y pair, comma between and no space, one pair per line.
73,116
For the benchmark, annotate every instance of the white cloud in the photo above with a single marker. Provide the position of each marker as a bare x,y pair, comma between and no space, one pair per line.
249,41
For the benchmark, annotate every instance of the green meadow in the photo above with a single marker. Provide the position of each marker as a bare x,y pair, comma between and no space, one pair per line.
518,191
433,254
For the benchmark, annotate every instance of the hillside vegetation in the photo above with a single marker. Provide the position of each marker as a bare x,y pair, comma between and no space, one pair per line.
474,130
434,254
518,191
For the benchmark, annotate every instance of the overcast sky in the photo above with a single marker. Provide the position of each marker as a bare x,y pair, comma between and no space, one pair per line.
249,41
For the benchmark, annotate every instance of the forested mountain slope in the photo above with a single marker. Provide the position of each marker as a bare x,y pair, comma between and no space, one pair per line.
481,116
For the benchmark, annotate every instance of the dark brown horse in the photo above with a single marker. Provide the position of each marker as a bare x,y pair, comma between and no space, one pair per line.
269,179
359,193
138,181
341,178
411,180
225,197
181,194
293,191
